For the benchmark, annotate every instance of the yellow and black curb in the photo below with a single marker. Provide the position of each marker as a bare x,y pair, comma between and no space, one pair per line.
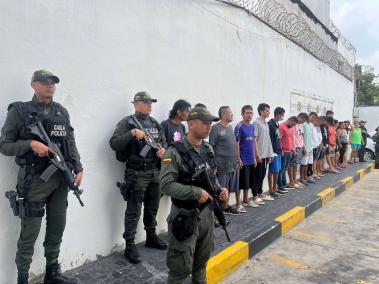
220,265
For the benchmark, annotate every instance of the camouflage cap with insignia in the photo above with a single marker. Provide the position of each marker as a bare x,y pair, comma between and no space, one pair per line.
143,97
43,75
202,114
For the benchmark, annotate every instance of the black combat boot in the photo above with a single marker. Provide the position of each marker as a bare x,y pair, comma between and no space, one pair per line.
153,241
132,254
22,278
54,276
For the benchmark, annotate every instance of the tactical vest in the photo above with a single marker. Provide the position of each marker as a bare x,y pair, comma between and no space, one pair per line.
56,124
131,155
188,169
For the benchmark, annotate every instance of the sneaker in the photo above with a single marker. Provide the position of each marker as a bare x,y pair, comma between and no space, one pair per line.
274,194
250,204
259,201
240,209
267,197
230,211
311,181
282,191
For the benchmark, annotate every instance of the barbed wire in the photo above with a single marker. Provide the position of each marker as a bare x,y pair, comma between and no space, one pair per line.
296,29
345,42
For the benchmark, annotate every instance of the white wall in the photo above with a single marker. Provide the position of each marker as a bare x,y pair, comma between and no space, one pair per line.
104,52
320,8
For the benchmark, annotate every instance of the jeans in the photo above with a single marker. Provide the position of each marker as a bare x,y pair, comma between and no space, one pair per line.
282,174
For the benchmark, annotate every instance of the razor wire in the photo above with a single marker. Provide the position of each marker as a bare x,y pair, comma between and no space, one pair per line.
295,28
345,42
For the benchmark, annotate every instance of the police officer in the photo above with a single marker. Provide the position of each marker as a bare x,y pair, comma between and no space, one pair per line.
361,152
32,157
190,223
142,172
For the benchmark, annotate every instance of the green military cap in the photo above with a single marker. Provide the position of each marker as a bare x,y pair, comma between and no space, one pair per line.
143,97
202,114
43,75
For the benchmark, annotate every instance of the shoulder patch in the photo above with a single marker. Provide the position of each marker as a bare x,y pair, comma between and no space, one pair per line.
167,160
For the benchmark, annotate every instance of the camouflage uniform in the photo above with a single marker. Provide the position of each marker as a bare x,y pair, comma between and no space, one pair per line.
187,256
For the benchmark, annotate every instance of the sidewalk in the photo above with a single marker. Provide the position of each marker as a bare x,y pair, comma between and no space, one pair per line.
336,244
250,233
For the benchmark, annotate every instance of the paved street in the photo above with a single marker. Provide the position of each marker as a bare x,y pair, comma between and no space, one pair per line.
337,244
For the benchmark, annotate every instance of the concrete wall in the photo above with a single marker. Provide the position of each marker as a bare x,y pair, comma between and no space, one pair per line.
104,52
321,9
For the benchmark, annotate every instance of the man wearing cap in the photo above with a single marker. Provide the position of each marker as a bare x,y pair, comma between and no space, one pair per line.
190,223
32,157
142,172
361,151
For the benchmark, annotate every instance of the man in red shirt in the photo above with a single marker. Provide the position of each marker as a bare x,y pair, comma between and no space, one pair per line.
288,148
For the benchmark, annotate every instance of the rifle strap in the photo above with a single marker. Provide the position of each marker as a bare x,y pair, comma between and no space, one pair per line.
137,122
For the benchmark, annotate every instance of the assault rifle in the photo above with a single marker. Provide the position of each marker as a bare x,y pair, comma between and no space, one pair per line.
150,142
57,160
214,191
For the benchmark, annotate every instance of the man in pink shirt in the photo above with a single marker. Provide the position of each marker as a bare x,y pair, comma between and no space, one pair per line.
287,147
298,141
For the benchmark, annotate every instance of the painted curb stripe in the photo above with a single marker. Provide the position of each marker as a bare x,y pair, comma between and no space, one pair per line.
229,259
339,188
226,261
312,207
361,173
258,243
291,218
348,181
327,195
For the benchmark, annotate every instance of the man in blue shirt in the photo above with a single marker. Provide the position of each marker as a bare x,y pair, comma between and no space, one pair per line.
246,150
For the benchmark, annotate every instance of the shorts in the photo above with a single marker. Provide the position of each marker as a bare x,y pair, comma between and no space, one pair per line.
318,153
355,147
307,158
296,157
230,180
332,151
246,179
276,165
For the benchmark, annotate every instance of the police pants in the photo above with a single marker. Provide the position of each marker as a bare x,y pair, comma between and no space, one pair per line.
361,153
146,191
190,256
54,194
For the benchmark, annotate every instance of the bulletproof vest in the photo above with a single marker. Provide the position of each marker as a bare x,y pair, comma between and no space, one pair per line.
56,124
189,163
132,157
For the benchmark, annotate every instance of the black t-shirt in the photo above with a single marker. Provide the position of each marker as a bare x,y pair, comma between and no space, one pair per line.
364,135
325,134
174,132
275,136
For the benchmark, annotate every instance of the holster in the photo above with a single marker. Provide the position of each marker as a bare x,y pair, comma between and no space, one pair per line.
184,223
23,208
129,184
